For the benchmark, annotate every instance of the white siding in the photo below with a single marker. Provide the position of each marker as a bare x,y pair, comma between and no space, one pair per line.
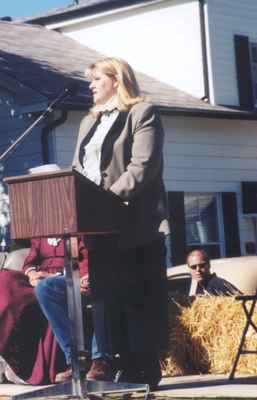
161,40
227,18
203,155
64,138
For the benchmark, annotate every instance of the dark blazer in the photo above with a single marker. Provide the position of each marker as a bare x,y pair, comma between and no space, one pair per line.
131,167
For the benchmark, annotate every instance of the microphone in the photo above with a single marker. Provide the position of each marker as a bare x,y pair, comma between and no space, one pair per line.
69,90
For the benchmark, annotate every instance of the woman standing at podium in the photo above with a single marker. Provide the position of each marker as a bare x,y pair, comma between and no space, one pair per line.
119,148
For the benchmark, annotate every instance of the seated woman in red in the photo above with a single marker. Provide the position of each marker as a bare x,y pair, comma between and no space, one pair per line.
28,349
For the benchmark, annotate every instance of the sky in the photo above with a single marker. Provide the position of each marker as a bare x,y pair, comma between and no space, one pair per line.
27,8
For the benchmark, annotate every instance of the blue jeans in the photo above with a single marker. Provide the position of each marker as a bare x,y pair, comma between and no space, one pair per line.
52,297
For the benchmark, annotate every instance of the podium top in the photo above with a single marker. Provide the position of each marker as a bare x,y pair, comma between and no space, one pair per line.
41,175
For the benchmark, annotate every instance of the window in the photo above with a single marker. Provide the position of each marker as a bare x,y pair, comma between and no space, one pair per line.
204,224
253,57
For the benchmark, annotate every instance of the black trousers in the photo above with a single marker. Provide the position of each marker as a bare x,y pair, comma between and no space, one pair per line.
132,286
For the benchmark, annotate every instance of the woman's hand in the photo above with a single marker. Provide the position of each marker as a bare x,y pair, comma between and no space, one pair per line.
36,276
84,283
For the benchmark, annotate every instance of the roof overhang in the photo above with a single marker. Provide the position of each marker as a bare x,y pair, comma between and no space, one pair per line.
80,13
217,114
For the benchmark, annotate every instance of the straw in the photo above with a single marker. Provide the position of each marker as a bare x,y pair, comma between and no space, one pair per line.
204,335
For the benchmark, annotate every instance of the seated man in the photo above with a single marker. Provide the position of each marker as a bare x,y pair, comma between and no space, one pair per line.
52,298
199,264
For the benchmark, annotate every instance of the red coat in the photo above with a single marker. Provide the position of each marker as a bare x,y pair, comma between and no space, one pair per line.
26,339
45,257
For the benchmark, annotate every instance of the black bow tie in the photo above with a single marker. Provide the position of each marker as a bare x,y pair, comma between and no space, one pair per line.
107,112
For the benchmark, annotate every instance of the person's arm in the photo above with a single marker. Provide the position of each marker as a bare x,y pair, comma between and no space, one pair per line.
83,266
83,258
32,260
32,263
146,153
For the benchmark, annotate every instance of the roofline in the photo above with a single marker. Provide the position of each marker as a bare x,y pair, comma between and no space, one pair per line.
83,11
216,114
179,111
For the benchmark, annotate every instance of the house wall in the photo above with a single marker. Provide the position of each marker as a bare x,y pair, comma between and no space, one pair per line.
12,124
208,154
64,139
161,40
226,18
203,155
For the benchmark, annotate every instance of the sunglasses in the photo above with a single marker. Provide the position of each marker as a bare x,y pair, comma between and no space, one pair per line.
203,264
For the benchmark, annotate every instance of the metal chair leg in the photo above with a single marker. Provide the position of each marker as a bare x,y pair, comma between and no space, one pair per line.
242,341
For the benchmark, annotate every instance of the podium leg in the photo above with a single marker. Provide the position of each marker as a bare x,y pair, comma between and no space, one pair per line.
78,359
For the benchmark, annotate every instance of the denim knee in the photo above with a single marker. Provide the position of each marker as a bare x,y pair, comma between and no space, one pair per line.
51,288
40,289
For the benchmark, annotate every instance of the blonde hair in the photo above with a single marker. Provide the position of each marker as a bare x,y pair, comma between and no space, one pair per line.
128,92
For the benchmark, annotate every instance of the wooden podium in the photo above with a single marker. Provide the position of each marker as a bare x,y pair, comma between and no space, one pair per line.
66,204
61,203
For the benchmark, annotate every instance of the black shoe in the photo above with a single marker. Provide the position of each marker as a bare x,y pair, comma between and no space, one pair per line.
152,374
149,377
140,368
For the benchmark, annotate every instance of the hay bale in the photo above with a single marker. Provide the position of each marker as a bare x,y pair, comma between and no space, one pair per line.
204,335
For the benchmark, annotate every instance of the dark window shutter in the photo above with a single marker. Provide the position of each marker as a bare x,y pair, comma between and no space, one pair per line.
177,224
231,229
244,72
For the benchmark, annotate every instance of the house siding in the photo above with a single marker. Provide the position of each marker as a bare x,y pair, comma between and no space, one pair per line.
209,154
202,155
226,18
162,40
12,124
64,139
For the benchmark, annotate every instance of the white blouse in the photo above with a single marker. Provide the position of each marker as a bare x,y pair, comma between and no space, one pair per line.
93,149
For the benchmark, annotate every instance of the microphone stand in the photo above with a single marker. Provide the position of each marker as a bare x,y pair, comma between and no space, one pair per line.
21,138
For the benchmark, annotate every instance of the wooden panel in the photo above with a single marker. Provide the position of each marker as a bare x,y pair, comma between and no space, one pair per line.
59,203
42,208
